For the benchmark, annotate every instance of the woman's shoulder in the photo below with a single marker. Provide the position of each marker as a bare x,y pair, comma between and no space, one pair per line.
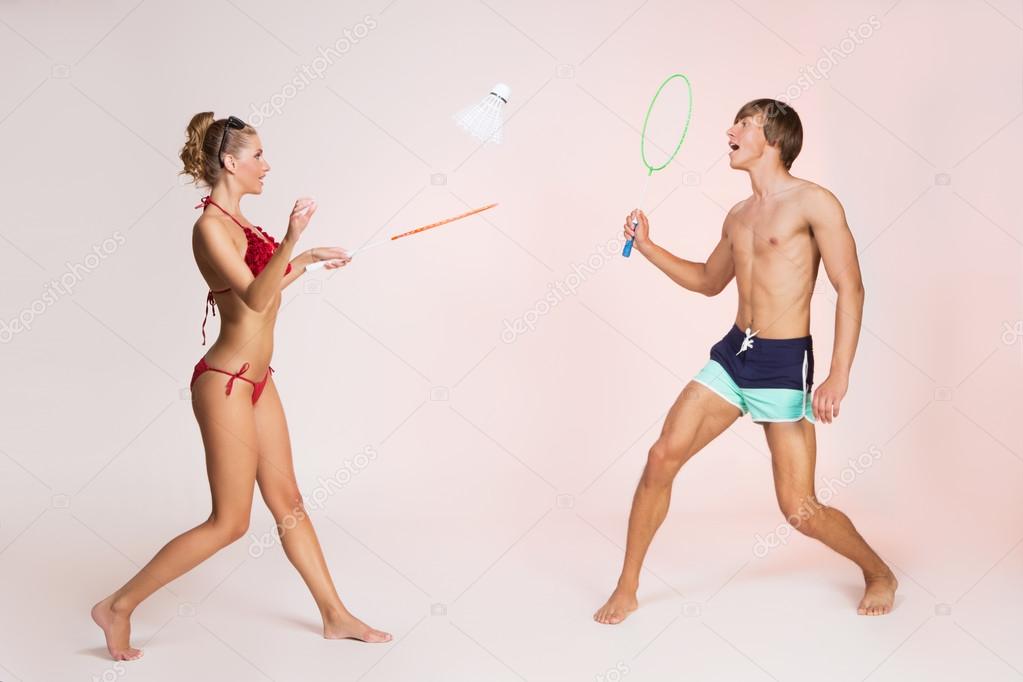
210,230
210,223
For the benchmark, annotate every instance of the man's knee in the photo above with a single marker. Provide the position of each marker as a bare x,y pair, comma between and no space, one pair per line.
803,512
664,460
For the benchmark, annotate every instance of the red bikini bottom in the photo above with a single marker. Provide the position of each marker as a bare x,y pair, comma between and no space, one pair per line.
257,388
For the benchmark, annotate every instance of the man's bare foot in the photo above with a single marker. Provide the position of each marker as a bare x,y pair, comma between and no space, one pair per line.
621,603
879,595
343,625
117,630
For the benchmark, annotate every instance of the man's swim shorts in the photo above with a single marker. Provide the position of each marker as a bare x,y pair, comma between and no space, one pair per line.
769,378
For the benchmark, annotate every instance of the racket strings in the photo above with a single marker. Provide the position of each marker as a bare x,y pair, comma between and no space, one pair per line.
651,169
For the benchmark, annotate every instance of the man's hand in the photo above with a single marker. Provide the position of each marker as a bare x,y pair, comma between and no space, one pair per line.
828,398
640,234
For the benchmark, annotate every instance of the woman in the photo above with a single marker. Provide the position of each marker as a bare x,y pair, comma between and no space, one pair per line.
241,419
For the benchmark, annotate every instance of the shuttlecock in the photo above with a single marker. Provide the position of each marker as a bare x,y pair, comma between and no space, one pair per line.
484,120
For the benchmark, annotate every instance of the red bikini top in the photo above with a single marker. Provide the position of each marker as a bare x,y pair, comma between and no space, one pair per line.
257,254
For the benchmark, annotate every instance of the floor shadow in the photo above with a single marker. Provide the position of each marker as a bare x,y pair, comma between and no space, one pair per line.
297,622
97,652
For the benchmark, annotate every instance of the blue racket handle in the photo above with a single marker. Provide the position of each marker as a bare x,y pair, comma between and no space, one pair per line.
627,251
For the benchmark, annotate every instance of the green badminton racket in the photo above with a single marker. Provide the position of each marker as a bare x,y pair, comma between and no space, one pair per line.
651,169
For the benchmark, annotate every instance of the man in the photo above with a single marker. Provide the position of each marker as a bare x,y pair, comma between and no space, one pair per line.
772,243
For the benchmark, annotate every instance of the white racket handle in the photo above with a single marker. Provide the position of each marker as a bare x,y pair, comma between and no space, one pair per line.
323,263
320,264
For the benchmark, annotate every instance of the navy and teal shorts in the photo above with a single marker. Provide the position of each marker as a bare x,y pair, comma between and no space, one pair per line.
769,378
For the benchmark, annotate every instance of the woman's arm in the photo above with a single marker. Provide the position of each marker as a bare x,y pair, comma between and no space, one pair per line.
298,266
211,239
335,256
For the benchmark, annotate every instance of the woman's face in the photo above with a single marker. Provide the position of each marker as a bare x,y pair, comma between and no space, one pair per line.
250,165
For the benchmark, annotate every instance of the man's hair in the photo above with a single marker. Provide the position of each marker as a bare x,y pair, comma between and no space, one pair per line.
782,127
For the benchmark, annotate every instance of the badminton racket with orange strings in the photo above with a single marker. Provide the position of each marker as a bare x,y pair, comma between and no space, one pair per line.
319,264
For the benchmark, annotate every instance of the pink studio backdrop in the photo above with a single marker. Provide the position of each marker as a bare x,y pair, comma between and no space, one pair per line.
496,460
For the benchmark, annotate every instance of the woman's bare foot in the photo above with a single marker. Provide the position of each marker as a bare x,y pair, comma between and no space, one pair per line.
879,595
340,624
621,603
117,630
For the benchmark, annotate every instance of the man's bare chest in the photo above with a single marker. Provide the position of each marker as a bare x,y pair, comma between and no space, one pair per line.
768,232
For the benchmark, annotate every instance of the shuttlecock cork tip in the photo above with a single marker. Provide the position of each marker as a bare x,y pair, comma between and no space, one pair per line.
502,91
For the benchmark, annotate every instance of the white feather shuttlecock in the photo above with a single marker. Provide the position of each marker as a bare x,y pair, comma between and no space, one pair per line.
485,120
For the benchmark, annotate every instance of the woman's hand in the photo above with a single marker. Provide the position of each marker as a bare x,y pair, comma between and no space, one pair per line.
640,234
300,216
335,256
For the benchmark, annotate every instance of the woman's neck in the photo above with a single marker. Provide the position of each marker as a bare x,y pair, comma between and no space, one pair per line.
227,200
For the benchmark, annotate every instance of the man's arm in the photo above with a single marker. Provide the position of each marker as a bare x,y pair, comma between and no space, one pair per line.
704,278
841,263
838,253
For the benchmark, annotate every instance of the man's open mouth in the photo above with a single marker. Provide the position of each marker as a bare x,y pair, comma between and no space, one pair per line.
733,146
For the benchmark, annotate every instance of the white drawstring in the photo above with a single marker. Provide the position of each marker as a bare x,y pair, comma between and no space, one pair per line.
805,357
747,342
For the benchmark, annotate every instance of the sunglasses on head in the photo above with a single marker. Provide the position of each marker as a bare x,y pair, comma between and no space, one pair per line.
232,122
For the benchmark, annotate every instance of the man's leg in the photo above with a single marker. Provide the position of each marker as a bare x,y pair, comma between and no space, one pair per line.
793,458
698,416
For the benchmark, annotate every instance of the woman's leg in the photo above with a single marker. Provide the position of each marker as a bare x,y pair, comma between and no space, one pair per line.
229,435
276,478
